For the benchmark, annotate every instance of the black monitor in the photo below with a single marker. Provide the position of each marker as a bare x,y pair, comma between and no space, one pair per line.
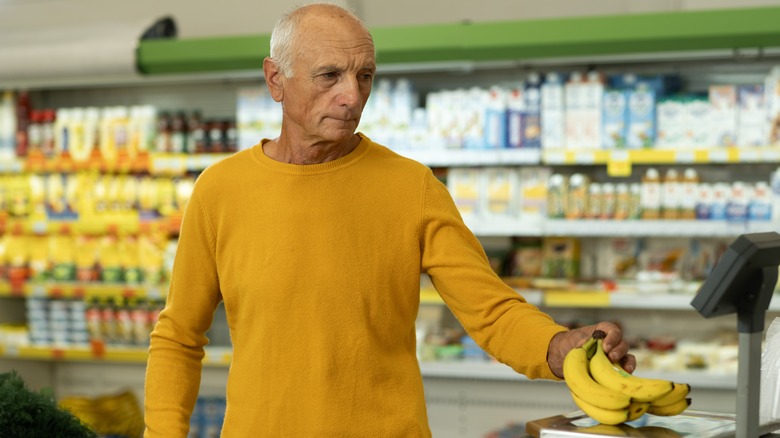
742,281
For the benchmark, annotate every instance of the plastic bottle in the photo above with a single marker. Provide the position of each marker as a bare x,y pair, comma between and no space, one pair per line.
650,198
670,195
689,194
577,207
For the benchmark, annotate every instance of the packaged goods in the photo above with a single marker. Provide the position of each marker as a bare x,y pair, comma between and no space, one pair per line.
501,191
751,116
671,126
577,205
592,110
532,124
533,192
553,112
557,196
688,193
465,185
737,203
495,120
641,117
723,115
671,189
574,103
650,197
696,120
516,115
561,258
614,117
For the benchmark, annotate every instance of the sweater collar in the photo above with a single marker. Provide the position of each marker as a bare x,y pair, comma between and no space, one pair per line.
311,169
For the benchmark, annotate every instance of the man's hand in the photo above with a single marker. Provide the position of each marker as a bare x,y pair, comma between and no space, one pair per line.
614,345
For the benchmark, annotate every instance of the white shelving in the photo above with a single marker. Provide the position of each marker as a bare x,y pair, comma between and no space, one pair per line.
505,226
498,371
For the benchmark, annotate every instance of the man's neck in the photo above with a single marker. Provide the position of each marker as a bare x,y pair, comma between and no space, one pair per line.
297,152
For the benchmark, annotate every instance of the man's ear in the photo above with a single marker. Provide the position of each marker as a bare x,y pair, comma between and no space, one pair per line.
273,79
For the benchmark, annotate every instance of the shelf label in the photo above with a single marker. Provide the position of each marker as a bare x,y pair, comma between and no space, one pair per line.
719,156
585,158
619,164
555,157
686,157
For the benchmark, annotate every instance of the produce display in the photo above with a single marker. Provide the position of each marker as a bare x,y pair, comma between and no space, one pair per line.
610,395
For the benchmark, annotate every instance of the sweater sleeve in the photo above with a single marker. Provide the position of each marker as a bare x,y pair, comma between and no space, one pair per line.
495,316
177,341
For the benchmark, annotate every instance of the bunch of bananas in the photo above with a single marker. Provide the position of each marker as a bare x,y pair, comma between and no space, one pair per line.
610,395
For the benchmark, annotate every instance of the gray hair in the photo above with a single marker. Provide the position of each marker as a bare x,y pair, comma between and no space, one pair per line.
285,32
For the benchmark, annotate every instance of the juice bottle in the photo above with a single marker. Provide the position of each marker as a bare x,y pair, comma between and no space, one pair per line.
689,194
670,195
650,198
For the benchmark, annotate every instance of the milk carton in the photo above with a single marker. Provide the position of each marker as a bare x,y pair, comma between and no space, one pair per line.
697,122
574,96
552,112
723,115
641,117
614,117
670,132
592,107
751,116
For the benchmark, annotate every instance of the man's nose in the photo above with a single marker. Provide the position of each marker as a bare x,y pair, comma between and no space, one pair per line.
349,92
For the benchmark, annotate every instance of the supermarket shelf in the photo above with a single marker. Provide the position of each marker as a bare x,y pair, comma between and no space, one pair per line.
220,357
497,371
615,35
505,226
154,163
81,290
473,157
717,155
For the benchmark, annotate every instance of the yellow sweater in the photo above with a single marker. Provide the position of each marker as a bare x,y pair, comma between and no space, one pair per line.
319,269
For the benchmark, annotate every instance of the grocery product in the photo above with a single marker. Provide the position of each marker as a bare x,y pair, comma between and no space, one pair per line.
610,395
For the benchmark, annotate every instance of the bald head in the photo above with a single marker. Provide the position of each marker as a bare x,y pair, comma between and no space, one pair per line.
298,29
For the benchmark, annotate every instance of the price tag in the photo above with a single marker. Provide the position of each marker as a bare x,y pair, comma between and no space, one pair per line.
585,158
686,157
749,156
771,155
719,156
556,157
619,165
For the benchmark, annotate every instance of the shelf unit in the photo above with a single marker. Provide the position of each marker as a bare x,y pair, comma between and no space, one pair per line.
475,49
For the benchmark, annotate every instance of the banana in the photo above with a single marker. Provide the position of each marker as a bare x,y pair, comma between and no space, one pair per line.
614,377
581,384
672,409
636,409
680,391
603,416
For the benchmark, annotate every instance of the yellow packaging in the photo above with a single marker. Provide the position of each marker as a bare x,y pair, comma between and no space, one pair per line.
167,196
147,194
130,260
62,253
183,192
86,255
109,259
151,256
38,247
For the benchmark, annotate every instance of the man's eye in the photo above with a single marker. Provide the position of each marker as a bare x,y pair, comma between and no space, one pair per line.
330,75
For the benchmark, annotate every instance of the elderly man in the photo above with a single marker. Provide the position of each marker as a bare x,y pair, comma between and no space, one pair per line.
316,241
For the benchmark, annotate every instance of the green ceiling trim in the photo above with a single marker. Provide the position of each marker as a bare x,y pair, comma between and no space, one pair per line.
498,41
